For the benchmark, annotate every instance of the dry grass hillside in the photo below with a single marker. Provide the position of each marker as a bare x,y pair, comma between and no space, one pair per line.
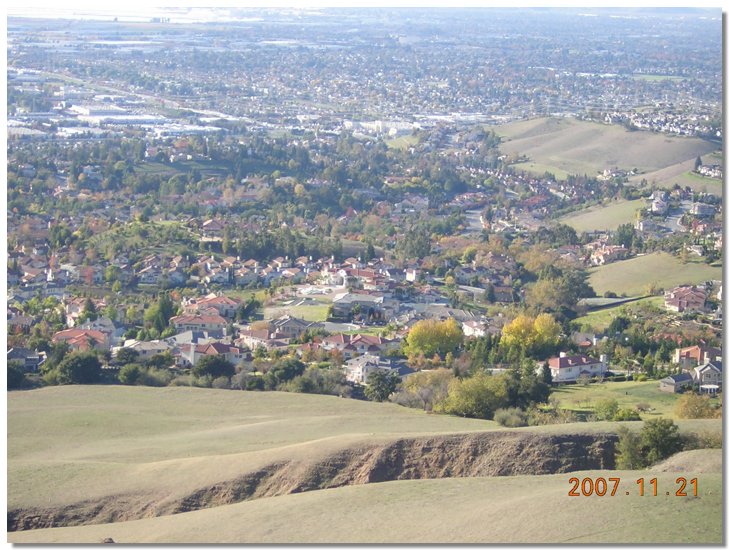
568,146
186,464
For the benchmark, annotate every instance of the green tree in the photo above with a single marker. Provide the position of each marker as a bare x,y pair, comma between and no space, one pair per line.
660,439
126,355
629,453
476,397
381,384
282,371
88,313
214,366
79,368
131,374
606,409
16,376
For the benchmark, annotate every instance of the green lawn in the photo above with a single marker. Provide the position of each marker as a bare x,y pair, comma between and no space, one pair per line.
604,217
482,510
403,142
633,277
313,313
600,319
628,394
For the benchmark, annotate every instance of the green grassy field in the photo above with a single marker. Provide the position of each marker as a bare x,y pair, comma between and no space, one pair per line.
604,217
632,277
307,312
526,509
581,398
600,319
403,142
561,145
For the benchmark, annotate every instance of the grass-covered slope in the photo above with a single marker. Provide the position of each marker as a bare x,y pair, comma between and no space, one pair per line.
526,509
568,146
80,442
633,277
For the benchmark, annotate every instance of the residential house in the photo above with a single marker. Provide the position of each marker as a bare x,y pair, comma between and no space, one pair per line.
691,356
145,349
685,298
676,383
82,339
708,376
223,305
212,229
31,359
192,353
289,327
214,324
359,368
569,368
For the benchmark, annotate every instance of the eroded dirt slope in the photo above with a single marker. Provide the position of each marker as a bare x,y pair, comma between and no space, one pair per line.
501,453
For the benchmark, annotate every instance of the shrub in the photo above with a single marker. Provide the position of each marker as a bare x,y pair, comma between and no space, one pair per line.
130,374
511,417
691,405
606,409
182,380
641,378
539,417
221,383
623,415
701,440
156,377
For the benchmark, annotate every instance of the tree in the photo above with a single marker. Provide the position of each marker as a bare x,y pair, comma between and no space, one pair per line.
691,405
624,235
476,397
16,376
606,409
79,368
426,388
214,366
88,313
283,371
126,355
431,338
698,163
381,384
629,455
130,374
660,439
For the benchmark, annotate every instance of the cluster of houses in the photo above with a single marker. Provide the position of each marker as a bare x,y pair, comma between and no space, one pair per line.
700,366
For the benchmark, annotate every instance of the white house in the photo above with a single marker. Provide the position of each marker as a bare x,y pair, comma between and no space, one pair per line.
568,368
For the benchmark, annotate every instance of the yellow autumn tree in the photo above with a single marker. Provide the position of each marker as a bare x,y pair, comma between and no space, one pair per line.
532,336
430,338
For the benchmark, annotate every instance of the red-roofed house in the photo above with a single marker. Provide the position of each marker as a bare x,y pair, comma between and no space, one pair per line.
82,339
568,368
685,298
